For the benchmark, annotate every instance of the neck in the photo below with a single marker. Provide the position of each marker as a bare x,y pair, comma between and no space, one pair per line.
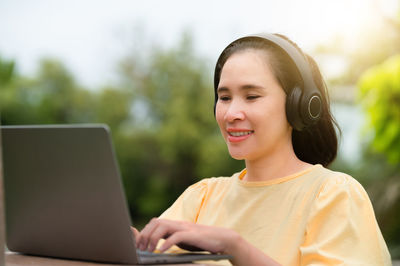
276,165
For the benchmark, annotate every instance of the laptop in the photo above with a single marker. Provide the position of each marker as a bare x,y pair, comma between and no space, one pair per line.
64,197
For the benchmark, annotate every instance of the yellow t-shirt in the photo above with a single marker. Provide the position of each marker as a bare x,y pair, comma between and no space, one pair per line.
314,217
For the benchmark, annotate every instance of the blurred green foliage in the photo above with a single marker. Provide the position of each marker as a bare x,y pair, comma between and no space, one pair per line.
6,71
160,114
380,94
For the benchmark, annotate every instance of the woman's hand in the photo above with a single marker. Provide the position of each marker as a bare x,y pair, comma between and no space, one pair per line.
186,235
201,237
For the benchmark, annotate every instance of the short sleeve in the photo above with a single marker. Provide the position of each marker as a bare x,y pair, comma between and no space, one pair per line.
342,228
188,205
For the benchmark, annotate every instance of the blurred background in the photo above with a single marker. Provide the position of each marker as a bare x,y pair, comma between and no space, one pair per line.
145,68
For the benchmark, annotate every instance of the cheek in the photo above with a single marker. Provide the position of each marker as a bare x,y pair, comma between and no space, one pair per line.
281,122
219,113
219,116
271,115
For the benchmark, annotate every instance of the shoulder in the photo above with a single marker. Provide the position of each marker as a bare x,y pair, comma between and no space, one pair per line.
339,188
210,187
319,181
338,182
187,207
212,183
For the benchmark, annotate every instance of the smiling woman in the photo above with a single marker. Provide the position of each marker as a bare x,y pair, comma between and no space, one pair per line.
285,208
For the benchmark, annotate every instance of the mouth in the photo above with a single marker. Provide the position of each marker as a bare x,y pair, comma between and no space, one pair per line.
238,135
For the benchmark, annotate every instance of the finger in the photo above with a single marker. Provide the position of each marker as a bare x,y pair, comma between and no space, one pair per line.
163,230
145,234
135,232
136,235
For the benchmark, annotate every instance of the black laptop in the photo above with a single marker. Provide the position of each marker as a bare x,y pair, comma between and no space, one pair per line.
64,197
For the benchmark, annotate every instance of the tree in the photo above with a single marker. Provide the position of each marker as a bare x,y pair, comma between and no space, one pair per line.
7,69
13,95
379,94
380,97
51,97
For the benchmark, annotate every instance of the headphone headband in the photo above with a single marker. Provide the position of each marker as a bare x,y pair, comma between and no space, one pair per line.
296,56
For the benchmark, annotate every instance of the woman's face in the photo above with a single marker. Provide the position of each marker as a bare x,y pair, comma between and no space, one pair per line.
250,110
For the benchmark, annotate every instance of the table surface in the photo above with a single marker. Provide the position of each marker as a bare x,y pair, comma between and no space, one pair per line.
15,259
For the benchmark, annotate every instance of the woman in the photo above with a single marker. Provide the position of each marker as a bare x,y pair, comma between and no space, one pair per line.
285,208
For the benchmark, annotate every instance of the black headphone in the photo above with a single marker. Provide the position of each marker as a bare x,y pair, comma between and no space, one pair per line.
304,103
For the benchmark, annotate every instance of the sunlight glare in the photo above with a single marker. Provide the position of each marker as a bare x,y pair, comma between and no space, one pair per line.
343,18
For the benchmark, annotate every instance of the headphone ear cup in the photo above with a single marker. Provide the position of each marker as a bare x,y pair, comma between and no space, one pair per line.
293,101
311,109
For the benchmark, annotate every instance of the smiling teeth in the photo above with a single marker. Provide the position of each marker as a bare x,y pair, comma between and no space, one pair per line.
238,134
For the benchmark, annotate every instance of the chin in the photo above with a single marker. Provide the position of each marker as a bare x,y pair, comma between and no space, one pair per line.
237,156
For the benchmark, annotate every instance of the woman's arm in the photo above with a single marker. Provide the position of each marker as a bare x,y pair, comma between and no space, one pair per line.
213,239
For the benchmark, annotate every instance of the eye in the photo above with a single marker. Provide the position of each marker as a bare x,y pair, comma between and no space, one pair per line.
252,97
224,98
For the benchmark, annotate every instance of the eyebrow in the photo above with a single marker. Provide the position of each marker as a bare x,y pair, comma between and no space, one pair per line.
244,87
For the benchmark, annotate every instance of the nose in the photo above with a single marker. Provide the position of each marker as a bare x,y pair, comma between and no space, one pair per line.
234,112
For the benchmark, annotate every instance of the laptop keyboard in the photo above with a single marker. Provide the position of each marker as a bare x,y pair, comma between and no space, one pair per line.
148,254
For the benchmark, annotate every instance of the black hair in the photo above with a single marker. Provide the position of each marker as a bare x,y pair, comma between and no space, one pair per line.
315,144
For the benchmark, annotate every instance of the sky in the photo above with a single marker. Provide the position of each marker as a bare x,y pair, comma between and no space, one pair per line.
91,36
